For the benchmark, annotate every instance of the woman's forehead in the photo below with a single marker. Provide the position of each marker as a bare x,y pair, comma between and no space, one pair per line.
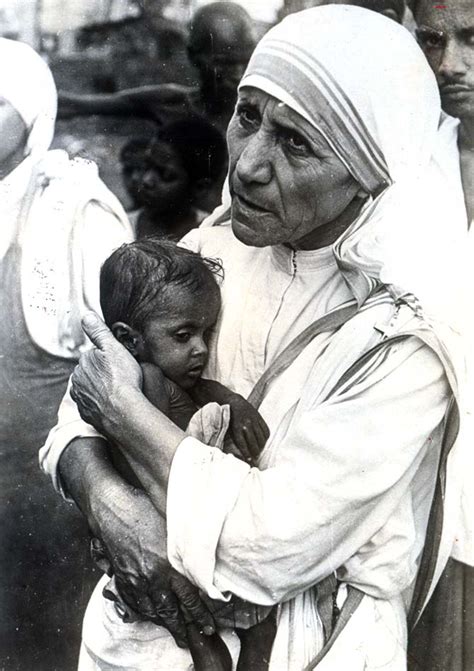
282,114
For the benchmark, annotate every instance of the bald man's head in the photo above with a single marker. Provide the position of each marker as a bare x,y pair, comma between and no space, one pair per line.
221,41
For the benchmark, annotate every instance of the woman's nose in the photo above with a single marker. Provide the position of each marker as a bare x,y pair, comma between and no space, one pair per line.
253,164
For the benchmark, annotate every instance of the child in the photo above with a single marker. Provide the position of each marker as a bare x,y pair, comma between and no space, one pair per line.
161,302
182,178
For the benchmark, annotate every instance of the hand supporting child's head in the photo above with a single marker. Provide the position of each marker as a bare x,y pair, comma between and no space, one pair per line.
161,302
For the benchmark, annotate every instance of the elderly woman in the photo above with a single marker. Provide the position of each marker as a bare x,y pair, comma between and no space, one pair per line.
340,253
58,223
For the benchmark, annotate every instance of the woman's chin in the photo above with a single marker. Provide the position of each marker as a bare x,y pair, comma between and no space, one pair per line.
248,235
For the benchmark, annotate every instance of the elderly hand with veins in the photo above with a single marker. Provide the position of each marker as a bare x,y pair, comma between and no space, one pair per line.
106,385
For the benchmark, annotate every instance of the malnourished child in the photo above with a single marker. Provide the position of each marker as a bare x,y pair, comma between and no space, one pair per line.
162,301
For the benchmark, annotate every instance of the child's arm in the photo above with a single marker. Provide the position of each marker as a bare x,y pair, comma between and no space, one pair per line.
247,427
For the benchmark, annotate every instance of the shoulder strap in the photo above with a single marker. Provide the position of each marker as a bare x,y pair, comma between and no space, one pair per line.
427,569
429,558
350,605
329,322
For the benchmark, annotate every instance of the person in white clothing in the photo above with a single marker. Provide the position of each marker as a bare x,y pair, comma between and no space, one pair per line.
58,223
338,326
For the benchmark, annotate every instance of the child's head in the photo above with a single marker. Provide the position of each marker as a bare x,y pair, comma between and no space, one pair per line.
185,160
132,158
161,302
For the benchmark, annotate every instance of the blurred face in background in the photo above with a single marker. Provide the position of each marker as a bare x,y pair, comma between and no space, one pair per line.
446,35
164,186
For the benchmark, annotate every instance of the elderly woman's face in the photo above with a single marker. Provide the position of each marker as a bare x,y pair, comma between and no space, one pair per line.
13,134
285,180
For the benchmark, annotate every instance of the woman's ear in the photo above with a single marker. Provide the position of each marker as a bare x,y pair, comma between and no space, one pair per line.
130,338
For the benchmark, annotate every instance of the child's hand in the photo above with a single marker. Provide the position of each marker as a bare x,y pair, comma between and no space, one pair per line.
247,427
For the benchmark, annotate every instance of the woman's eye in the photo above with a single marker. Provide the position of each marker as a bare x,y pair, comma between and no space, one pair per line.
296,142
248,116
182,336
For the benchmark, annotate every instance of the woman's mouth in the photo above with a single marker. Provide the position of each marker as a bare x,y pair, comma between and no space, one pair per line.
245,204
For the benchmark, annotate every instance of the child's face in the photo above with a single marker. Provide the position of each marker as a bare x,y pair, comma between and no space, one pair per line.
164,183
176,341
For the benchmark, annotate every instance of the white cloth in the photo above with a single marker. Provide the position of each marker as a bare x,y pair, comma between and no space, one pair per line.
347,482
273,545
27,84
463,549
69,226
64,219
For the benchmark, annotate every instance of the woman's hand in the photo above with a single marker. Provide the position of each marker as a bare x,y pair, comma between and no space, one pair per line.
104,377
247,427
133,537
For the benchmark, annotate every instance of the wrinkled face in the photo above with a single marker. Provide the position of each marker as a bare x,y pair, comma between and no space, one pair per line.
446,35
285,180
177,340
13,133
164,183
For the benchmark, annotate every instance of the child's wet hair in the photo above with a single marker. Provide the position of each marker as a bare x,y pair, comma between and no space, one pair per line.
133,278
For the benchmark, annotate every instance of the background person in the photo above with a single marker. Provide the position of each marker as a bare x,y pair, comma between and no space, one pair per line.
221,39
328,184
443,638
58,223
181,180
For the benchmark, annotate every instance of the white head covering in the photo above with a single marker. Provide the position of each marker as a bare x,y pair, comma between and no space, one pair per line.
27,84
361,80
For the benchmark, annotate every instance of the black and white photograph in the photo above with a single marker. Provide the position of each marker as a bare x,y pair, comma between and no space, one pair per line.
236,335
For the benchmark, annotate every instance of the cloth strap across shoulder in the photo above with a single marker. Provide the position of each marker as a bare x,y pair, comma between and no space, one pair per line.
328,322
426,573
